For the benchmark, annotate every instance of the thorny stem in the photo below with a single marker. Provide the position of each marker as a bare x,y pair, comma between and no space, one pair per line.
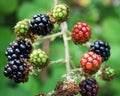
64,29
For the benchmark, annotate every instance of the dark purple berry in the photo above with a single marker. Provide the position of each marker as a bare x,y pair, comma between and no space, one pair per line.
18,49
102,48
89,87
41,24
16,70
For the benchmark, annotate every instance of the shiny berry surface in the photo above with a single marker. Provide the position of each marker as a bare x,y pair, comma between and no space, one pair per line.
16,70
102,48
91,62
41,24
18,49
89,87
81,33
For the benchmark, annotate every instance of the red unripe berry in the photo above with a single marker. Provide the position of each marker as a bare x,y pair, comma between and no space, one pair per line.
91,62
81,33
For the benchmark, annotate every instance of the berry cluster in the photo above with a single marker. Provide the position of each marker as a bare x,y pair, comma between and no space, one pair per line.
18,49
91,62
22,60
89,87
16,70
99,51
39,58
41,24
102,48
108,73
60,13
18,53
81,33
22,27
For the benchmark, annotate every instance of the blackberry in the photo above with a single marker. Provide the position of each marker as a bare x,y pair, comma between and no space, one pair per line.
41,24
108,73
21,28
91,62
16,70
102,48
89,87
19,49
81,33
39,58
60,12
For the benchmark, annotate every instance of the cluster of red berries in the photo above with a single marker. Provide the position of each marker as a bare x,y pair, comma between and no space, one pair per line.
99,51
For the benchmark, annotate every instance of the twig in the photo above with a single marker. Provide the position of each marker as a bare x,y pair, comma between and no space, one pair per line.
53,35
69,38
64,29
40,39
57,61
87,44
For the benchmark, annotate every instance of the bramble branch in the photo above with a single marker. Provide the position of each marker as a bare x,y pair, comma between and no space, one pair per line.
64,29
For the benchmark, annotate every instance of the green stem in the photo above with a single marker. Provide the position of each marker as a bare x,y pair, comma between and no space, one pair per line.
53,35
87,44
64,29
57,61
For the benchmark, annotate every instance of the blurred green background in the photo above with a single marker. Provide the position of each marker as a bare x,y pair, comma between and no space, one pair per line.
102,15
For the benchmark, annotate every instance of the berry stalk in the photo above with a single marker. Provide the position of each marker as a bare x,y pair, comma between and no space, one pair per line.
57,61
64,29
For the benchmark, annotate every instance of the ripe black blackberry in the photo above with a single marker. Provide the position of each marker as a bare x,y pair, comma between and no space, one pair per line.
89,87
102,48
18,49
16,70
41,24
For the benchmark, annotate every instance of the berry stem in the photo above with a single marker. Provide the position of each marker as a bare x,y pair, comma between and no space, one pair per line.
41,39
58,61
54,35
87,44
98,74
64,29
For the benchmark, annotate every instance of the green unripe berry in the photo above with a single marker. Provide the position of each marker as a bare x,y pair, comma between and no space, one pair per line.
22,27
60,13
108,73
39,58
